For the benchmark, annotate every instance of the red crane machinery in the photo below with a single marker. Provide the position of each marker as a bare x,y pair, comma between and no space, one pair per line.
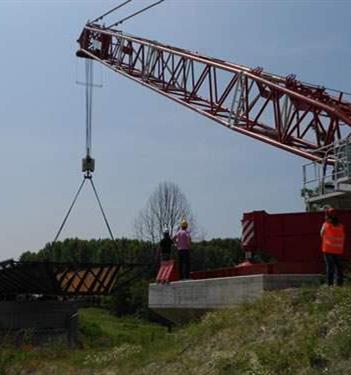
304,119
281,111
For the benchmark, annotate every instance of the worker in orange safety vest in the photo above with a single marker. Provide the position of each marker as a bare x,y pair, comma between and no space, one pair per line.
333,239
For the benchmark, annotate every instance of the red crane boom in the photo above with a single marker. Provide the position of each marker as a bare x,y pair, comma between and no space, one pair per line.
286,113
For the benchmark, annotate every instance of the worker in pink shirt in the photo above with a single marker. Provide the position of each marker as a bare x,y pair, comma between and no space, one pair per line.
183,241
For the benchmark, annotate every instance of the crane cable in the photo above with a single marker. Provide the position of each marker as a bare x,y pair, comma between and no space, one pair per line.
69,211
110,11
88,130
135,14
88,103
88,143
73,203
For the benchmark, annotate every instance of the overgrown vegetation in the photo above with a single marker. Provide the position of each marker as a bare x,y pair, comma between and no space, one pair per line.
296,331
302,331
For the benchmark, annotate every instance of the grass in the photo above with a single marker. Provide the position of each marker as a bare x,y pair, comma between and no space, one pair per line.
301,331
99,327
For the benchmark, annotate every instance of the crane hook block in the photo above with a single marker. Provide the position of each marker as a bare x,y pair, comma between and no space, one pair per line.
88,164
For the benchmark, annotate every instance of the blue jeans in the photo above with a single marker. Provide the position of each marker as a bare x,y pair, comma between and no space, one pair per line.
333,268
184,264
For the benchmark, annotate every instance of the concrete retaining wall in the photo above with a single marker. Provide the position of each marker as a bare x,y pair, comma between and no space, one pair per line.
185,300
42,319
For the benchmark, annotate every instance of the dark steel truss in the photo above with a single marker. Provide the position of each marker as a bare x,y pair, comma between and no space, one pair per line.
49,278
286,113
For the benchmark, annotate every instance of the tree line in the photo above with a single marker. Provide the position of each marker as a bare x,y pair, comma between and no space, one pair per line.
130,294
205,255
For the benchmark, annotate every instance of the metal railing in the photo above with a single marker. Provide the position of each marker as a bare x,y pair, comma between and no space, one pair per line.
330,174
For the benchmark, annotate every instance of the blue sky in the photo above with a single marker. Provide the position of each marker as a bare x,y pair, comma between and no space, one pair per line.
139,137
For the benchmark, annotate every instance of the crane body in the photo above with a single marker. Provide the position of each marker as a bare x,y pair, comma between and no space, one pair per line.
304,119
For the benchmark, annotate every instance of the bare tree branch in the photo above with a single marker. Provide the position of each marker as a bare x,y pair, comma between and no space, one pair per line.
166,206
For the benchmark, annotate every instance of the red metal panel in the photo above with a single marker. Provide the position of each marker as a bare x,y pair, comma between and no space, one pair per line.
301,223
167,272
273,226
273,246
302,248
253,230
298,268
293,237
248,268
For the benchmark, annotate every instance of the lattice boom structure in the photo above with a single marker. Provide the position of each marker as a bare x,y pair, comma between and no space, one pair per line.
294,116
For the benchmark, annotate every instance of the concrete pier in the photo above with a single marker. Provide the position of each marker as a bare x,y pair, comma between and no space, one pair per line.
181,301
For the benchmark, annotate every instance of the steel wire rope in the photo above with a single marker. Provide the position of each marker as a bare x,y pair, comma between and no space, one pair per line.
110,11
102,210
88,144
69,211
135,14
89,99
89,177
114,242
88,103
